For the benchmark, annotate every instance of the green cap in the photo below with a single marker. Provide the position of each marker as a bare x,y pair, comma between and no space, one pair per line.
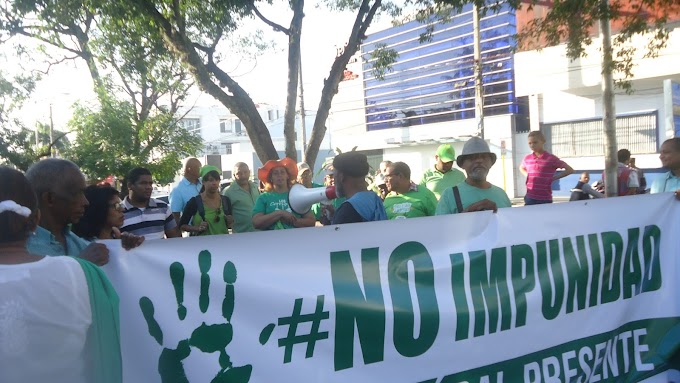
446,153
207,169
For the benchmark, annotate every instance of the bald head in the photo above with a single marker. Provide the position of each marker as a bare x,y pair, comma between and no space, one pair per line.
192,169
241,173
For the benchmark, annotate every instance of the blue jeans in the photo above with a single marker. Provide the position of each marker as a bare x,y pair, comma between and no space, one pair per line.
531,201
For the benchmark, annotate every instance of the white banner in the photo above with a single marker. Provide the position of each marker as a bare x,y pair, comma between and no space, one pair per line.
579,291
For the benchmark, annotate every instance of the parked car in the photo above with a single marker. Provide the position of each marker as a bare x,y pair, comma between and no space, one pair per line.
224,184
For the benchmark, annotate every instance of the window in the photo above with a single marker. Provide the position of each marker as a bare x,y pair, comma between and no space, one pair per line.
270,114
227,148
237,127
636,133
433,81
225,126
193,125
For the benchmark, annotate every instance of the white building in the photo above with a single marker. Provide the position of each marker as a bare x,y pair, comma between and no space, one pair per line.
565,100
427,99
226,141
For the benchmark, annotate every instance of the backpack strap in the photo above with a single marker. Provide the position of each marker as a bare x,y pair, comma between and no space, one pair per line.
456,196
200,207
226,205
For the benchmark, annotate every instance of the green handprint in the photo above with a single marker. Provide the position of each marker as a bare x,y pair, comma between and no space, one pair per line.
206,338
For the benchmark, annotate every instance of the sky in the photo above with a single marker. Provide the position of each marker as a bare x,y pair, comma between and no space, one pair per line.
323,32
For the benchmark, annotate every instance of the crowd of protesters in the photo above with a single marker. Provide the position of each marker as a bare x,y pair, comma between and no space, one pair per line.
50,211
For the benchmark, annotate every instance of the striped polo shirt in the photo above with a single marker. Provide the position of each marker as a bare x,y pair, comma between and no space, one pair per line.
540,171
149,222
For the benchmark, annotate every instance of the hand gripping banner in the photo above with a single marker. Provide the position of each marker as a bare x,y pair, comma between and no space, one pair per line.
572,292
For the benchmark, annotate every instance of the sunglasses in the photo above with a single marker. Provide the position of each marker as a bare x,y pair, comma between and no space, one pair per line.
117,206
217,216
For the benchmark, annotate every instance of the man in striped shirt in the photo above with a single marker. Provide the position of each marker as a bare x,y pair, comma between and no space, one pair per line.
146,216
539,167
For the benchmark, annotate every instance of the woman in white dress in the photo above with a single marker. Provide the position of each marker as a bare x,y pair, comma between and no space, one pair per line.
58,314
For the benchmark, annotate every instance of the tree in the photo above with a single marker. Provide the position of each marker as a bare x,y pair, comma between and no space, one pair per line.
193,31
19,146
111,142
121,61
572,22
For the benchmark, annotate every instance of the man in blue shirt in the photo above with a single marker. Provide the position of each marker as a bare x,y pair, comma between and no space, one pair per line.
361,205
670,159
187,188
59,186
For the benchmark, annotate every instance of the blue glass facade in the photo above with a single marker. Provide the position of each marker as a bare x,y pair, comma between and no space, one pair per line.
433,81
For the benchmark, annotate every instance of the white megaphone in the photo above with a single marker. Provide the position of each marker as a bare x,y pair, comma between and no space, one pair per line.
301,199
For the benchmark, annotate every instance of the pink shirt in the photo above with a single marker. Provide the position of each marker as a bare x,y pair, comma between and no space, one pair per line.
540,172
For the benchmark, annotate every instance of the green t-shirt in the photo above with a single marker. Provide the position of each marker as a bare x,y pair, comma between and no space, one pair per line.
414,203
214,227
270,202
242,204
437,181
469,195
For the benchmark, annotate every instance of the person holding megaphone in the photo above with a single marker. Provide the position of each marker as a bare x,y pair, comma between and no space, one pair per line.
271,210
361,205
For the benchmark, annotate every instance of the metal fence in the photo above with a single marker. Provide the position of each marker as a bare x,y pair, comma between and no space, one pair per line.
637,133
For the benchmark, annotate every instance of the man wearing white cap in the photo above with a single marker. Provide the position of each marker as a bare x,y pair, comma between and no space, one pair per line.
475,193
443,176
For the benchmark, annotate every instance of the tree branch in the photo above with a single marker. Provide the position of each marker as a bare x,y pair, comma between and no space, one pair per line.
277,27
52,63
177,13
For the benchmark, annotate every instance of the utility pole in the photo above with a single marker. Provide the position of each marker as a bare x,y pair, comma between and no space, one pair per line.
608,108
52,148
479,86
303,150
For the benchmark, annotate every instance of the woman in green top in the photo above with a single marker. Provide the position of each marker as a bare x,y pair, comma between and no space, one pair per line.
208,213
271,210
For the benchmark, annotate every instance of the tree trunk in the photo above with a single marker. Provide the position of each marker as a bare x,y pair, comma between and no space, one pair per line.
294,34
238,103
330,85
608,109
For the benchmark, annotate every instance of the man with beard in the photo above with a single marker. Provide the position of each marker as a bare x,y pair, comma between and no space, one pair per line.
362,205
475,193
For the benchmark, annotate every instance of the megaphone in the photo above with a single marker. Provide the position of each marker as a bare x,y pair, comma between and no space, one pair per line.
301,199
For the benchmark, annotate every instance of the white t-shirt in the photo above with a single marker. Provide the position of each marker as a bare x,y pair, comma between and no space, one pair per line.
44,318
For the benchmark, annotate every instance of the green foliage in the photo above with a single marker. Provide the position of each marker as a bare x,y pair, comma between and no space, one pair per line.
572,22
111,142
17,149
383,58
18,146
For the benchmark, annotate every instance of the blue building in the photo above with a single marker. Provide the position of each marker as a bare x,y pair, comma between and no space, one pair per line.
433,80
